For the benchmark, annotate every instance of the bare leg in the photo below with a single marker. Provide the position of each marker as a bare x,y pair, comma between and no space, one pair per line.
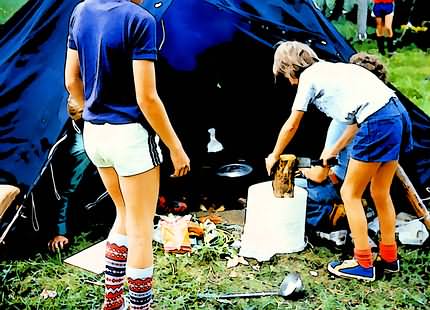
380,191
116,245
357,177
140,193
111,182
388,25
389,32
379,27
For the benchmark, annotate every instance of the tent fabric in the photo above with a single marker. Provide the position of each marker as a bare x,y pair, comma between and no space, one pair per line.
32,93
214,70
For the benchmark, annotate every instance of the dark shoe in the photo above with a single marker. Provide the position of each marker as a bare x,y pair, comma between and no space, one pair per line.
386,267
390,46
381,45
352,270
362,37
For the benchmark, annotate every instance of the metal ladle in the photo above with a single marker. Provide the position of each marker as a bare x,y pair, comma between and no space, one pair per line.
291,284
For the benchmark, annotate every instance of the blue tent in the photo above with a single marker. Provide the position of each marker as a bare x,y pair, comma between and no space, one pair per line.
214,70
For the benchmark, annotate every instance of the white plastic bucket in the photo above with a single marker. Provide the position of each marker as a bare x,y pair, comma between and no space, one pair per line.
273,225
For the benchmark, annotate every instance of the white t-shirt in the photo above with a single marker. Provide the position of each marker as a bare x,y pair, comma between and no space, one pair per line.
345,92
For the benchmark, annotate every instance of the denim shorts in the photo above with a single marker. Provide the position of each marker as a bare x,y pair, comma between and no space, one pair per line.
382,9
128,148
384,134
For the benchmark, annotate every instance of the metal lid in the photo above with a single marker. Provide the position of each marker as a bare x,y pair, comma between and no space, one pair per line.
234,170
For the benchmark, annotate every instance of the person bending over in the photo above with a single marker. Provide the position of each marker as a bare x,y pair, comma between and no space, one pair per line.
376,125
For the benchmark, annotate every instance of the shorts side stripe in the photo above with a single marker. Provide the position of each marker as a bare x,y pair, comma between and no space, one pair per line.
153,150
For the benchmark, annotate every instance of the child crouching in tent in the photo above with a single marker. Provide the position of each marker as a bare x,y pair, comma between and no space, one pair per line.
377,125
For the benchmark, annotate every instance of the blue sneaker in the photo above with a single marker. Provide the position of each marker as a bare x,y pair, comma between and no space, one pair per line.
352,270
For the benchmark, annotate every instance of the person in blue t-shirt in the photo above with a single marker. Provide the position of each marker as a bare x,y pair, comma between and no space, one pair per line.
110,71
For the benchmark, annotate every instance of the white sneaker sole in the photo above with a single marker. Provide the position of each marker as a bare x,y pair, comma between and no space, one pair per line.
347,276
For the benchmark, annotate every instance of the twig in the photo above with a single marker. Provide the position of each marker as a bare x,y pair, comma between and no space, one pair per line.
94,282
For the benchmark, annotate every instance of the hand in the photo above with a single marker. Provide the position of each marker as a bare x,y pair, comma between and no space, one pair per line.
270,162
57,243
327,154
181,163
74,109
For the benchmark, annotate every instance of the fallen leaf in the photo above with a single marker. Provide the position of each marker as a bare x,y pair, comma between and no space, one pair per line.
233,274
255,267
236,260
243,261
232,262
220,209
313,273
48,294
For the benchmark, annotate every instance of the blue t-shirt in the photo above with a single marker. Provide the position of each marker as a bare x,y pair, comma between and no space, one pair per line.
109,35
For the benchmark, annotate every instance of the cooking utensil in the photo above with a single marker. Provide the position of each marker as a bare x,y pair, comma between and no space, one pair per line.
290,285
305,162
234,170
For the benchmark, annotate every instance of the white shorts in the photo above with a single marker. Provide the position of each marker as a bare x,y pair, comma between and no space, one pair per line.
128,148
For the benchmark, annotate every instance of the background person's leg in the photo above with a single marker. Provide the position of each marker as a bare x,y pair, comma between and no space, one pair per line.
388,21
362,19
380,35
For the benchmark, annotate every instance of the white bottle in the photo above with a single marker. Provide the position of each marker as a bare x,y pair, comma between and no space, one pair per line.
214,145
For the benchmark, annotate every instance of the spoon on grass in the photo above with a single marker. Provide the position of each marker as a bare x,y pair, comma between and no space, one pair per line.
291,284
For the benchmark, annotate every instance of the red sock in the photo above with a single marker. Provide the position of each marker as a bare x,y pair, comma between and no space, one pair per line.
364,257
388,252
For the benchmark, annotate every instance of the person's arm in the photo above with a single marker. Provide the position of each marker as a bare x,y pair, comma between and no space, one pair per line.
72,77
316,173
287,133
156,115
341,143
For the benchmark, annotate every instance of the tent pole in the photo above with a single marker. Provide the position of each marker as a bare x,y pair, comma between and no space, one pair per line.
413,197
9,226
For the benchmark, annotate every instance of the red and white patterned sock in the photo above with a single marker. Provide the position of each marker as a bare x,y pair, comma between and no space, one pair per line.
140,287
116,260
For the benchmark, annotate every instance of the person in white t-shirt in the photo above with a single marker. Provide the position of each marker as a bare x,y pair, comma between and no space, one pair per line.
376,122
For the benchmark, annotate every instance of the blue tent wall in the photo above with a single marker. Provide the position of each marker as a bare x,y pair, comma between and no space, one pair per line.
32,93
214,70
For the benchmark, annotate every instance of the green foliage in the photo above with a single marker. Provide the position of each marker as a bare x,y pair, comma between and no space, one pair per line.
408,68
8,8
179,278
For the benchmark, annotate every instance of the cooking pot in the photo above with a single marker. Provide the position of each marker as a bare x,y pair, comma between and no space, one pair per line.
234,170
232,181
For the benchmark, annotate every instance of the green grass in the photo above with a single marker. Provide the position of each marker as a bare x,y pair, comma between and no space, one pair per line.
8,8
179,278
408,69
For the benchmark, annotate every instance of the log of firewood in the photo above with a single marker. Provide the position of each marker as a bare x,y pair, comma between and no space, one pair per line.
283,181
413,197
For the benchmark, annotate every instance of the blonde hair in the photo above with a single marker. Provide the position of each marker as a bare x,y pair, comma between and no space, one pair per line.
371,63
292,58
